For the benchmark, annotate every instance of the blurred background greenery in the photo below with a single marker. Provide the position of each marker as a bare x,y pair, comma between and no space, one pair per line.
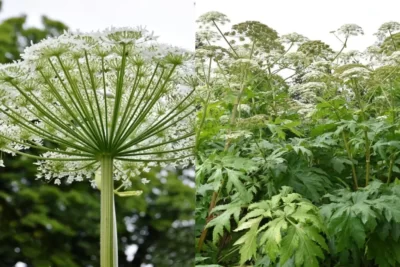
44,225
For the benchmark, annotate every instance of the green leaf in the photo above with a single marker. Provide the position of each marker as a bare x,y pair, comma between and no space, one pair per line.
222,221
216,178
273,236
249,241
285,211
300,244
339,164
234,180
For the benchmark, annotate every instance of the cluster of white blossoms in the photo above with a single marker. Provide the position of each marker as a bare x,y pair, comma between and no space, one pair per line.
224,119
236,135
117,93
351,56
293,38
389,27
304,109
350,30
358,73
317,70
307,92
244,108
208,19
245,62
393,59
386,28
293,59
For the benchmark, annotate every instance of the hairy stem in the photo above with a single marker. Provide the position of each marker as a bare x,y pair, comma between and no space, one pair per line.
115,232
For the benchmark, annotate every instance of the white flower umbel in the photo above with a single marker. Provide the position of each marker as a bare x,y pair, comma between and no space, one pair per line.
350,29
110,100
293,38
386,28
213,17
355,73
307,92
244,108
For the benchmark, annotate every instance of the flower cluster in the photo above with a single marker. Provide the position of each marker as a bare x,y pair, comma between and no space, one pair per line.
117,93
387,28
293,38
211,17
307,92
355,73
350,29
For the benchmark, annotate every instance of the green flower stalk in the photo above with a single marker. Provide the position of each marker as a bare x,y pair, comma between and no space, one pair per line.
115,101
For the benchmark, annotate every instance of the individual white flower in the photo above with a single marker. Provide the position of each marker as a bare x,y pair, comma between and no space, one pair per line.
57,182
145,181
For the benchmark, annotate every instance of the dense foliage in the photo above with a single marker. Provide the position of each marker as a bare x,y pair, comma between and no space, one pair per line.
298,147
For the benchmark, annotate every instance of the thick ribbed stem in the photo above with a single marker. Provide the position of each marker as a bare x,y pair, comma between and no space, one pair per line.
107,213
115,239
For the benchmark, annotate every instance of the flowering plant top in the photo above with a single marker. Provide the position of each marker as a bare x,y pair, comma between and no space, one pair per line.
82,96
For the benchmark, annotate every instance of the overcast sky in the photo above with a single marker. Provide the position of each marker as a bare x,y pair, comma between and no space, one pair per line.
172,20
312,18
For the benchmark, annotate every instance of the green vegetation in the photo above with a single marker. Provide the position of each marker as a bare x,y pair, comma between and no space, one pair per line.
298,148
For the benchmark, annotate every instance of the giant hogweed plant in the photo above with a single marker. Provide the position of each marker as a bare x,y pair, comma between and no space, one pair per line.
102,106
297,147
